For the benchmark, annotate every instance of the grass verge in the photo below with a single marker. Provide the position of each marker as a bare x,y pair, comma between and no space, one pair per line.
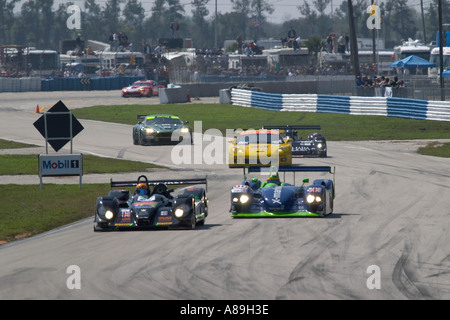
335,127
28,164
436,149
30,210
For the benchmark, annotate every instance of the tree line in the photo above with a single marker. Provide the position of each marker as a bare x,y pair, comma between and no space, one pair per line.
37,23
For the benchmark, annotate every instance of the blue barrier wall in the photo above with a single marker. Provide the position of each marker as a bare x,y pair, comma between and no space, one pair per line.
268,101
356,105
78,84
333,104
406,108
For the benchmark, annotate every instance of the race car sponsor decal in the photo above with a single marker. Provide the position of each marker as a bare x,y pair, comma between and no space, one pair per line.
125,213
314,189
145,204
277,192
239,188
301,148
124,216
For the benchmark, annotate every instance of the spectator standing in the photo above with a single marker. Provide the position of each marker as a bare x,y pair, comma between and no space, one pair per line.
78,44
239,43
292,35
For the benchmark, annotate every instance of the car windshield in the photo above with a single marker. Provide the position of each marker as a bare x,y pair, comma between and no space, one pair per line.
259,138
144,83
163,120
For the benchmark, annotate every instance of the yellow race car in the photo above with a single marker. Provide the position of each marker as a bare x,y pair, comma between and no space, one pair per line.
262,148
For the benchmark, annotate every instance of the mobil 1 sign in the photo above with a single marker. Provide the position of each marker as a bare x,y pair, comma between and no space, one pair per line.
60,165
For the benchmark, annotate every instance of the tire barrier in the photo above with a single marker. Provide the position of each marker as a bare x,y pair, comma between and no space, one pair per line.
374,106
19,84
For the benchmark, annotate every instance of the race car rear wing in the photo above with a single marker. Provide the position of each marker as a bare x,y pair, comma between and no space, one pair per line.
293,169
133,183
289,127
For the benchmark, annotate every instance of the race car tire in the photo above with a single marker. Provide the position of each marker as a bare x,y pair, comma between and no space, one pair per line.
141,141
193,221
135,141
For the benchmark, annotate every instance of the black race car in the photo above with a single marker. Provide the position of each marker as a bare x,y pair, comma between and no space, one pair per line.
314,146
151,208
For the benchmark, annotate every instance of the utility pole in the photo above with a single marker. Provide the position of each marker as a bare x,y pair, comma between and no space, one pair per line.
441,51
215,27
353,43
423,23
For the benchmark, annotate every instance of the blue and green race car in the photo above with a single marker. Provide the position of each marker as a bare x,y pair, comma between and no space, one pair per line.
253,198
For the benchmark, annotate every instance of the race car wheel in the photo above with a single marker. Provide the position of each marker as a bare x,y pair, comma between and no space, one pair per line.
135,141
193,220
141,141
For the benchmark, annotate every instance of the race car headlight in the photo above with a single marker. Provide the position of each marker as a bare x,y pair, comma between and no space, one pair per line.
310,198
179,213
149,130
235,200
244,198
185,130
109,214
319,145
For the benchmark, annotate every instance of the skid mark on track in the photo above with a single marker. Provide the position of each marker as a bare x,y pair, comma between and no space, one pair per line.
404,275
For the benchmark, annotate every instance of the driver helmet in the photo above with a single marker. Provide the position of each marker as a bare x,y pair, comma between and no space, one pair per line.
274,179
142,189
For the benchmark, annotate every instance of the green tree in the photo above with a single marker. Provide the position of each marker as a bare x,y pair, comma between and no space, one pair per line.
402,20
133,20
110,16
315,44
242,8
6,20
199,13
260,9
92,22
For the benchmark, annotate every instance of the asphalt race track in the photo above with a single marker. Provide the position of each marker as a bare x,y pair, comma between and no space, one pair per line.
388,237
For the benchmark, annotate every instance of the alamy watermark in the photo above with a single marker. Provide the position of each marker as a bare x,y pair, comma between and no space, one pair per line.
74,280
211,147
374,20
74,20
374,280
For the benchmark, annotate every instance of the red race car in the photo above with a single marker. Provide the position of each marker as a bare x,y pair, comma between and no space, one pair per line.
142,88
